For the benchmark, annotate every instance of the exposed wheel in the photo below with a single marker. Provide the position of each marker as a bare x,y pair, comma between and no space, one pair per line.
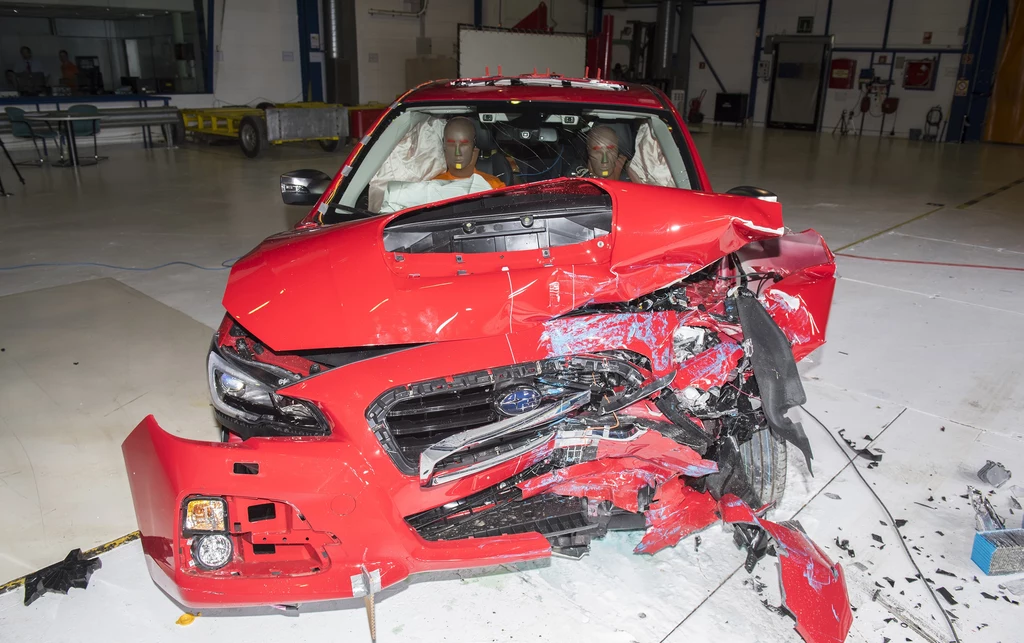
330,146
764,463
252,136
264,105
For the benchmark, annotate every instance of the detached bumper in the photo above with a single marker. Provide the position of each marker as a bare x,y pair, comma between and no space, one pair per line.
303,516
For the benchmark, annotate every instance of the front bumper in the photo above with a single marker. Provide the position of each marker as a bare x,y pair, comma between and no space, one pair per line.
328,526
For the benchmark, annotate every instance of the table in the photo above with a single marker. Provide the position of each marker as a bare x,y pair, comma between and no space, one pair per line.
68,121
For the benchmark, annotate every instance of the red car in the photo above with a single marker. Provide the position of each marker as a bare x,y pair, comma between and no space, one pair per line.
517,318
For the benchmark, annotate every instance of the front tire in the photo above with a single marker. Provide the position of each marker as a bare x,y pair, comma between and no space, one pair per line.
764,464
330,146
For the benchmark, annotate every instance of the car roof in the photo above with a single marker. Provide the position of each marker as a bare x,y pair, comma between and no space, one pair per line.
537,87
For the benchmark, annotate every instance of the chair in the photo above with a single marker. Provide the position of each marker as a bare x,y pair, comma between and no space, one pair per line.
86,128
21,128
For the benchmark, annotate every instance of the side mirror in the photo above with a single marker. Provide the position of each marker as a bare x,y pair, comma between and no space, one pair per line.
303,187
751,191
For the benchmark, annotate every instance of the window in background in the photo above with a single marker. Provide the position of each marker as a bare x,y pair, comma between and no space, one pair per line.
78,49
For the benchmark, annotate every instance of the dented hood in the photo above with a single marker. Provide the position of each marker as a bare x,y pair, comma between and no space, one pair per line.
336,286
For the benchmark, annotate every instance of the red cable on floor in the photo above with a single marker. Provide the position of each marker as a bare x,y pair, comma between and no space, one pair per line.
930,263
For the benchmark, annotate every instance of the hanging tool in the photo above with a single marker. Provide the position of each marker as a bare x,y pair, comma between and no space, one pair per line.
933,119
889,106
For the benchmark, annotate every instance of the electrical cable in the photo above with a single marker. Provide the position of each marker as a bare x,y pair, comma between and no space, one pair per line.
892,522
549,168
930,263
225,265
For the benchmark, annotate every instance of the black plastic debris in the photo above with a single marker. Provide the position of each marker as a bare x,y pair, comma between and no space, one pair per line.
944,593
945,573
696,544
876,538
910,580
833,496
845,546
900,522
867,454
73,571
891,582
990,596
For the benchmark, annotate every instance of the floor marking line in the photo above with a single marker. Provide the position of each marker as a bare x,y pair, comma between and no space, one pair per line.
89,553
987,195
932,296
930,263
889,229
962,206
958,243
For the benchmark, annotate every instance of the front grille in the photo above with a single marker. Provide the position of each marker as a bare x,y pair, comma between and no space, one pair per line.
409,419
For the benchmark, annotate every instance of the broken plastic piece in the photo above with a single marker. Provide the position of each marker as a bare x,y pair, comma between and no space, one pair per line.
676,512
775,369
73,571
994,473
865,453
813,588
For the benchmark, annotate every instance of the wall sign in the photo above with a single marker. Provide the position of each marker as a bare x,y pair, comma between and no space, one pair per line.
805,24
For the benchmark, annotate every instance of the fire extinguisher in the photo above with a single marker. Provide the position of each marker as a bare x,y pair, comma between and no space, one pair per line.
694,116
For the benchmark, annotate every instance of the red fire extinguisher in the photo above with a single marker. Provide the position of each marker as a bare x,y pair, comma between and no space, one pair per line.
694,115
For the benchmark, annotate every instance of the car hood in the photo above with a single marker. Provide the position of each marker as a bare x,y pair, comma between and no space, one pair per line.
336,286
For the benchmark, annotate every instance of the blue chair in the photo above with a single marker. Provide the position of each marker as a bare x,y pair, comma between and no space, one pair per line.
87,128
21,128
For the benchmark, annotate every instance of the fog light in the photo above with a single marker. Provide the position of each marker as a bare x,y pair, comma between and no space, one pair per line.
212,551
205,514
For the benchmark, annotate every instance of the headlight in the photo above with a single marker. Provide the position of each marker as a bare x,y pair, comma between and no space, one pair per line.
245,395
205,514
212,551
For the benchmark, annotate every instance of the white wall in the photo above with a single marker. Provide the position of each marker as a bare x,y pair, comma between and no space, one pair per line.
385,42
727,36
256,52
860,24
563,15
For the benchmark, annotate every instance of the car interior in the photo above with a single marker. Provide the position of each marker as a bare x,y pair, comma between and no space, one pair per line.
521,144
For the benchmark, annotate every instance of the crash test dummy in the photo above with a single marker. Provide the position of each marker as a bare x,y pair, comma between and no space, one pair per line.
604,161
461,153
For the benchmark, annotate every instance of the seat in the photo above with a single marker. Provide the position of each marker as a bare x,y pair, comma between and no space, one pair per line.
39,131
86,128
491,160
496,165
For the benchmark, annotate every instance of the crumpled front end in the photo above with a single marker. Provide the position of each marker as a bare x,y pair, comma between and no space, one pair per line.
361,466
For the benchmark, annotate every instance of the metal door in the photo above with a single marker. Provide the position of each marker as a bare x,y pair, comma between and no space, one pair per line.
795,98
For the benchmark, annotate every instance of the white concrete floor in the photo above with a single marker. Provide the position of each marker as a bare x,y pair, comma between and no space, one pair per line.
924,359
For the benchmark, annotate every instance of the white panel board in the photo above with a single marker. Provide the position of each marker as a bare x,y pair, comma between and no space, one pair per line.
520,53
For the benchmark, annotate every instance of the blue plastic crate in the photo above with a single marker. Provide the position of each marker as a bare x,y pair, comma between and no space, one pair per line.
999,552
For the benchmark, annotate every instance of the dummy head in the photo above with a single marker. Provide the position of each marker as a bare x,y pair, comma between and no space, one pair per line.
460,151
603,158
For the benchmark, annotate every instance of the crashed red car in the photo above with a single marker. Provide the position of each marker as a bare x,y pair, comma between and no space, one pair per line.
428,375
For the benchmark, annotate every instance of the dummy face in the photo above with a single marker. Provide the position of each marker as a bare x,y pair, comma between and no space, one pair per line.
460,151
602,152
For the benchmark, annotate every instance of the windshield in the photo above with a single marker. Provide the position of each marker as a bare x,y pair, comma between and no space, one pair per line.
422,154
